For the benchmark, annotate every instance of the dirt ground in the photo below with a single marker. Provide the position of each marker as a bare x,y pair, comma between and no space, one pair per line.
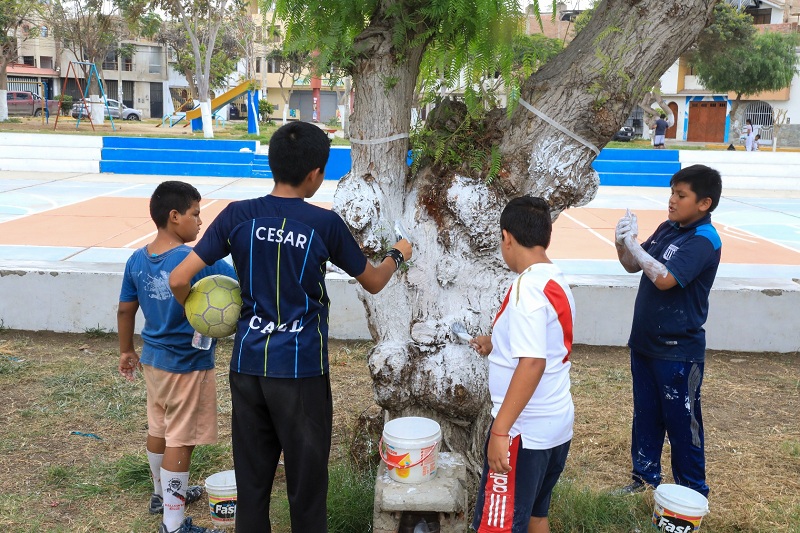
53,384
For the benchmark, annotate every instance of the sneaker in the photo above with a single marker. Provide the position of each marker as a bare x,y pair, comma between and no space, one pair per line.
187,527
634,487
193,493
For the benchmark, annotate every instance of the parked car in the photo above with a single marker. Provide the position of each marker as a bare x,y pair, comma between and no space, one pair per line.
128,113
235,113
26,104
625,133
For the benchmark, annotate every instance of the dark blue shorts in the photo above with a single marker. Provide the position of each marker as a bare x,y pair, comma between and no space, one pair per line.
506,502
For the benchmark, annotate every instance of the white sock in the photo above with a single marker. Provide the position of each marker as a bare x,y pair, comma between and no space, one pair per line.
174,485
155,460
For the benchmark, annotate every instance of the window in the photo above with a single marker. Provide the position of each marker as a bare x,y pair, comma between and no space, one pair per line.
127,64
273,65
46,62
258,65
760,16
110,62
29,60
44,31
154,60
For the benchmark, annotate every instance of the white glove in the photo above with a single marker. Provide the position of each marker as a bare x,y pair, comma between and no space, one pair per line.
627,226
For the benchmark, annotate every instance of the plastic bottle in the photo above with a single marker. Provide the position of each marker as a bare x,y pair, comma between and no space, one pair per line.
200,341
422,527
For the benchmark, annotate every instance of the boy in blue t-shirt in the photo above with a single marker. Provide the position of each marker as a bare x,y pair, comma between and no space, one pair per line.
280,387
180,379
667,339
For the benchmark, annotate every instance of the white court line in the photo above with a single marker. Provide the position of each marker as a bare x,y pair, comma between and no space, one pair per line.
11,206
732,235
56,206
140,239
593,232
132,243
45,200
776,243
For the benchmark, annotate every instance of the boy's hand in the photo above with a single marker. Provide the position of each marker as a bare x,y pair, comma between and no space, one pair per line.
497,454
128,363
405,248
482,344
627,226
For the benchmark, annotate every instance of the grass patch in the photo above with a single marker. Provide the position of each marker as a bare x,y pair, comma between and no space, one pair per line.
791,448
98,332
350,498
576,508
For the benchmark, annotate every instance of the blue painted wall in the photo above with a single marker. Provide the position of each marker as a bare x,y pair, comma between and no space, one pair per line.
639,168
215,157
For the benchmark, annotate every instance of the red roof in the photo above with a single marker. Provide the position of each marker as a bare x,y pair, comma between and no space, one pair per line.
18,69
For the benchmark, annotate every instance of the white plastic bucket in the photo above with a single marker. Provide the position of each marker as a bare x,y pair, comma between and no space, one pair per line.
409,448
678,509
221,489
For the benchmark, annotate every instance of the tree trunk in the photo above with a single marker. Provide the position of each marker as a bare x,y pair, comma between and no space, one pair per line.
205,114
3,90
418,367
3,105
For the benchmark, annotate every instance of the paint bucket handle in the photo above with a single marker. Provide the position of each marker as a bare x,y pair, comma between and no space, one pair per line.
395,465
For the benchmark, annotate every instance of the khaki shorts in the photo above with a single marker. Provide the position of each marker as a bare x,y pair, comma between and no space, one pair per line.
181,408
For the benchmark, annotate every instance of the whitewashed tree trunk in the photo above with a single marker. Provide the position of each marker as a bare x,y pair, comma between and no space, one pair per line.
3,105
96,109
457,274
205,114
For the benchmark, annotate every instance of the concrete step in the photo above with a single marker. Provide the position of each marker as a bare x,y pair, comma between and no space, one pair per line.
177,168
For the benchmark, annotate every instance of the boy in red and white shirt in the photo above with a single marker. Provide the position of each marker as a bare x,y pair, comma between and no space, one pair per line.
528,351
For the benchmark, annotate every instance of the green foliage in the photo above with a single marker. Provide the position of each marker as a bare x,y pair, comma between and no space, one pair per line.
531,52
223,58
457,141
66,103
582,20
472,37
265,109
731,56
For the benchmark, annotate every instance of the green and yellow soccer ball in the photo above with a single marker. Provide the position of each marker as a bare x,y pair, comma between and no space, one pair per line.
213,306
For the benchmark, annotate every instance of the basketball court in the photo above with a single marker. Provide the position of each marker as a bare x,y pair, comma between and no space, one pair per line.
103,218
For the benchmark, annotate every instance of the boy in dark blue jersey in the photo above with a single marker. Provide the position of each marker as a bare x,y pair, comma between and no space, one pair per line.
280,386
181,380
667,339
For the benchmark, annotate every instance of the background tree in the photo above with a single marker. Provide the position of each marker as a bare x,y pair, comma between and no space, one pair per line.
731,56
15,16
544,146
248,40
202,20
89,29
174,36
290,67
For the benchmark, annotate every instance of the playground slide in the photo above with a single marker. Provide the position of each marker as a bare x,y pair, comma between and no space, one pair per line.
221,100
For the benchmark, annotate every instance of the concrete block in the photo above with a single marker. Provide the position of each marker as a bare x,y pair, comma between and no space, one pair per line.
446,495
